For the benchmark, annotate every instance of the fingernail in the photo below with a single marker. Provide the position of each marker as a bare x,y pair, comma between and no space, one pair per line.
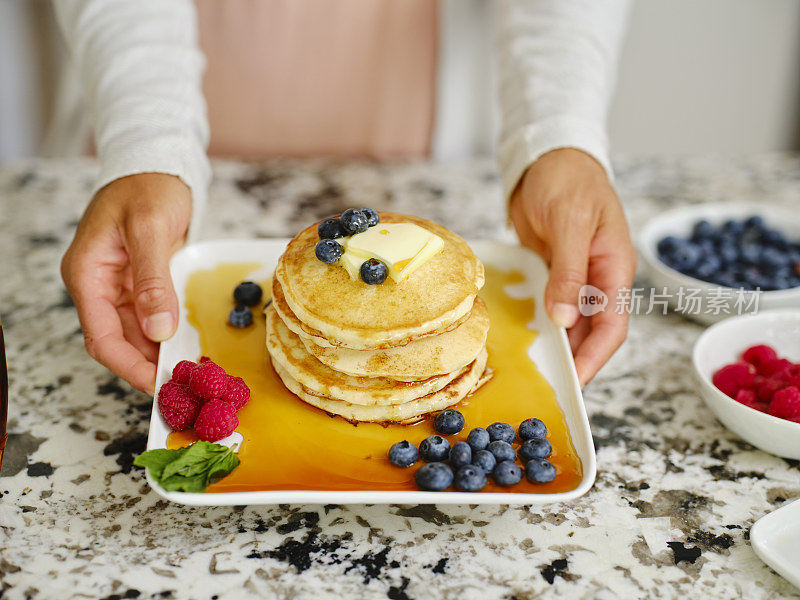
564,315
158,327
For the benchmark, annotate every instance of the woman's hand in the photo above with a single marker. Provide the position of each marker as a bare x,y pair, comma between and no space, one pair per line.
117,272
566,210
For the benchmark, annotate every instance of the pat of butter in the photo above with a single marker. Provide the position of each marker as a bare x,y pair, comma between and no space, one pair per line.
402,247
351,264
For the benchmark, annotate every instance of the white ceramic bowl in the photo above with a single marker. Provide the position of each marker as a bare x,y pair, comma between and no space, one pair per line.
679,222
723,344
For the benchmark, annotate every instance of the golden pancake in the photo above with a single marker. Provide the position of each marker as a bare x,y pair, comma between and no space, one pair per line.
288,351
451,394
417,360
304,331
356,315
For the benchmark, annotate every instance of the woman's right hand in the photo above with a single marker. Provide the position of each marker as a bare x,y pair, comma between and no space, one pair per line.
117,272
566,210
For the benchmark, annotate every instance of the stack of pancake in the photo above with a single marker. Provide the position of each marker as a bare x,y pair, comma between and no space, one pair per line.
391,352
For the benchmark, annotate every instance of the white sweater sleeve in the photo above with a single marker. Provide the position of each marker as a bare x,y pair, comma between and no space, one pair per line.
141,70
557,63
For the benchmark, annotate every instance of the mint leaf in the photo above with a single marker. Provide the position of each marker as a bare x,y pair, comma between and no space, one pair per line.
189,469
222,467
196,459
156,460
178,483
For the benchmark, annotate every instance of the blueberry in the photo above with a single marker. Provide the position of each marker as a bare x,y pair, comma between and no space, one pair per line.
772,237
707,248
330,229
434,477
460,454
248,293
372,216
532,428
501,431
448,422
403,454
773,259
540,471
754,222
240,316
373,271
781,283
753,276
733,227
785,272
707,267
507,473
728,253
328,251
502,450
668,245
703,230
470,478
685,256
750,253
354,221
485,460
434,448
668,260
535,448
478,439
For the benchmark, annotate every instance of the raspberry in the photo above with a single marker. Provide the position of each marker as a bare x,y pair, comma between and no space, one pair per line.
731,378
786,404
794,379
178,405
759,355
237,393
779,366
208,380
181,371
767,388
216,420
749,398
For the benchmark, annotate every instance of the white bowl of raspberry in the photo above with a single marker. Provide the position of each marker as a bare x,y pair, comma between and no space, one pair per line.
716,260
748,373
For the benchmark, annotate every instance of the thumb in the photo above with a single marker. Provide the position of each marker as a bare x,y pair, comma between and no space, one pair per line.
154,297
569,263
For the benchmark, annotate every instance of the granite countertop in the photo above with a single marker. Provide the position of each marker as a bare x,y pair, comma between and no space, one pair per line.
668,517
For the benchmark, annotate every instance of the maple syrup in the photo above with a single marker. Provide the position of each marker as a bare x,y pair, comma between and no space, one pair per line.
290,445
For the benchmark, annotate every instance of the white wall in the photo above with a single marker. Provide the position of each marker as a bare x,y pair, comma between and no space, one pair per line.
21,107
710,75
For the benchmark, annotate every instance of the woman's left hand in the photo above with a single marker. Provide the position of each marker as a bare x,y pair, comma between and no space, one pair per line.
565,209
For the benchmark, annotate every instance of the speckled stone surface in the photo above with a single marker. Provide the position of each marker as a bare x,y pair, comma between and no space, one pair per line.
669,516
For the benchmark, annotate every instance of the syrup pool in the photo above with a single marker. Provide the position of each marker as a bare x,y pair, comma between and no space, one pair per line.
289,445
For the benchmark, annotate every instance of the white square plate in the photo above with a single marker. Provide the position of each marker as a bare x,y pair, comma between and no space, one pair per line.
776,540
550,352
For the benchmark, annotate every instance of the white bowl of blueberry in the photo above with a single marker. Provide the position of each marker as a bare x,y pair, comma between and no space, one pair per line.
713,261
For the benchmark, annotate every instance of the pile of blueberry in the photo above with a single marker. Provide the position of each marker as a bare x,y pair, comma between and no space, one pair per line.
350,222
486,452
246,295
738,254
